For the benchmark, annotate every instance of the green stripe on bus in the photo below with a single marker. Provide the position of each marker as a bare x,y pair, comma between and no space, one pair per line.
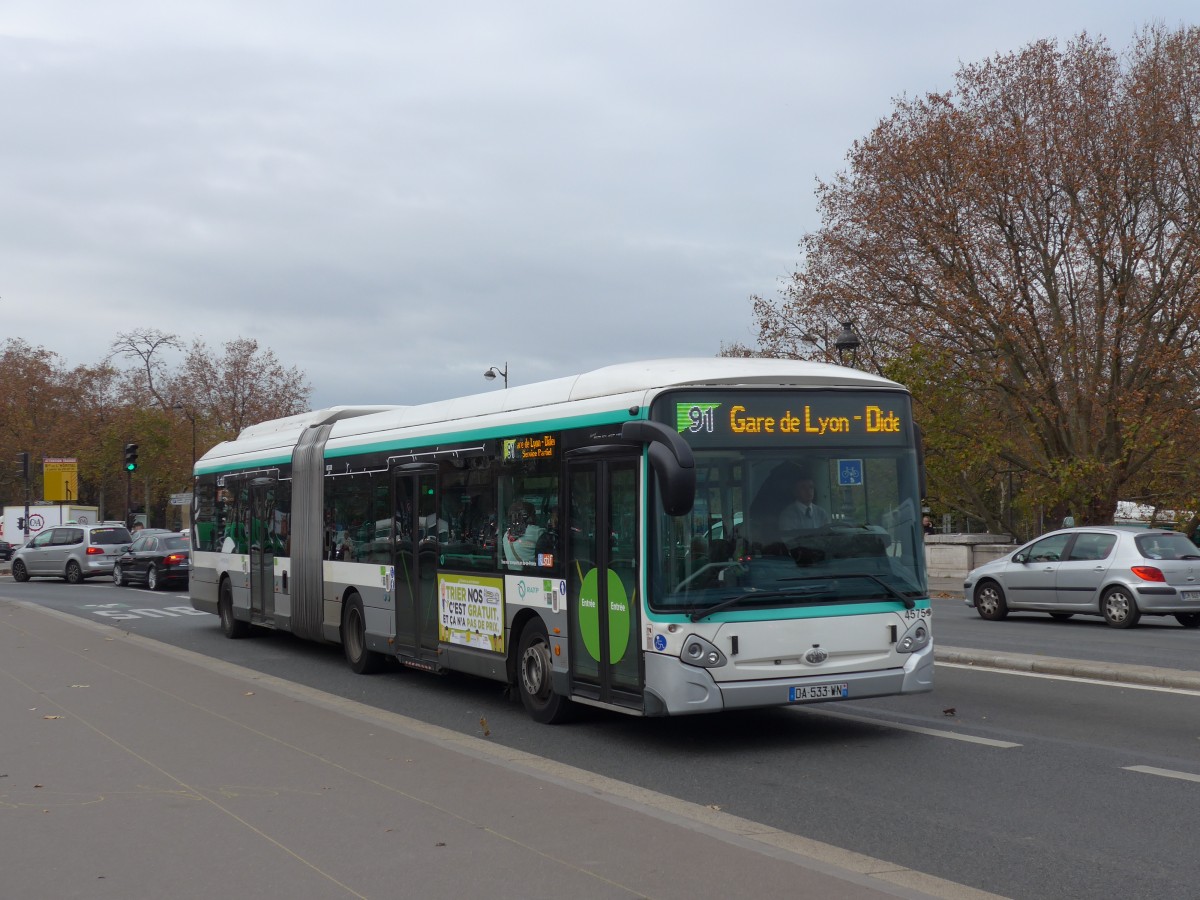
774,613
565,423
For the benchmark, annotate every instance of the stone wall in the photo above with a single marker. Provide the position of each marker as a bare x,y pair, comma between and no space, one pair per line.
954,555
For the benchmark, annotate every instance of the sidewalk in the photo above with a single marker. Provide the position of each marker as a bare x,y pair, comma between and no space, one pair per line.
132,769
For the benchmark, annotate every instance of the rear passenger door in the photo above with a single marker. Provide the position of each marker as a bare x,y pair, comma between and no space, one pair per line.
1081,573
63,541
140,551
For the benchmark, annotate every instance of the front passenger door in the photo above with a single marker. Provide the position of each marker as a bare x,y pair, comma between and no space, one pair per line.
36,556
1033,584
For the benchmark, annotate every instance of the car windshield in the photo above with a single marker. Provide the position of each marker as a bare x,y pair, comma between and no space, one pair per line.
175,542
769,530
108,536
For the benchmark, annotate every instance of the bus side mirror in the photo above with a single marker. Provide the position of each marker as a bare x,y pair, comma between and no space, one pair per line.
672,460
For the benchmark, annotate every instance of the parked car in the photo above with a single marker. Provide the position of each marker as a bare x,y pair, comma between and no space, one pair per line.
73,552
156,558
6,551
1116,571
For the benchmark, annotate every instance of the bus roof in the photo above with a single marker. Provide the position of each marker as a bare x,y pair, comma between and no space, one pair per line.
617,386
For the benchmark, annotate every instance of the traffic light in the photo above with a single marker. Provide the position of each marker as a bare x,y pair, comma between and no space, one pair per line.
23,465
130,457
20,523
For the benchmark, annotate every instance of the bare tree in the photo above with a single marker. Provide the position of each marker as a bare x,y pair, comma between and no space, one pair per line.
241,386
147,346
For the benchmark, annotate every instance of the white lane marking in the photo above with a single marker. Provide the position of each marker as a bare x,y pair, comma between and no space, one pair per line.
1165,773
1052,677
934,732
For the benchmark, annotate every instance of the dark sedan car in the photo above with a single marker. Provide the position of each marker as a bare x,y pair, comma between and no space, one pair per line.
6,551
156,559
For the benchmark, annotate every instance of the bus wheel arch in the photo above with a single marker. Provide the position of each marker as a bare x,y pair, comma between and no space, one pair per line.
362,660
534,682
512,664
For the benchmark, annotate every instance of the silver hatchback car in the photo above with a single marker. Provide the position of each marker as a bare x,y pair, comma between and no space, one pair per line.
72,551
1120,572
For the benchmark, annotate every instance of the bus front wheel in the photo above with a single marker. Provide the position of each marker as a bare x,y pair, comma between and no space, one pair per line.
533,677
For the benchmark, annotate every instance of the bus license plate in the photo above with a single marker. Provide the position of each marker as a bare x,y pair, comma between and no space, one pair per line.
1191,595
800,693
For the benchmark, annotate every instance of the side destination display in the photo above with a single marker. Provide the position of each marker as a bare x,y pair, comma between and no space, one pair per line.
788,418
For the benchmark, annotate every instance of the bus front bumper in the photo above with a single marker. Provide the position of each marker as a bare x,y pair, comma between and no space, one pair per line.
680,689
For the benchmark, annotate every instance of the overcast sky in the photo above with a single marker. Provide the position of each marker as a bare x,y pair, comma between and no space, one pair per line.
395,196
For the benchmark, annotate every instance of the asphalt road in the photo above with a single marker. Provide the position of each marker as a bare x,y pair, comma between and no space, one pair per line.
1020,785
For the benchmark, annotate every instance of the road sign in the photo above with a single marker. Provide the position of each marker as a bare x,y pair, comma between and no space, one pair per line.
61,479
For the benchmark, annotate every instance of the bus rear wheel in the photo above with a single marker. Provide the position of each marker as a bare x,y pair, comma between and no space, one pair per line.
354,639
233,628
533,677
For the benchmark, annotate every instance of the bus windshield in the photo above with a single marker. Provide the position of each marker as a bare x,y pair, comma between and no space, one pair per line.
802,521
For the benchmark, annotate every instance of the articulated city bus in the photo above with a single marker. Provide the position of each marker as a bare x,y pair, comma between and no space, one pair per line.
657,538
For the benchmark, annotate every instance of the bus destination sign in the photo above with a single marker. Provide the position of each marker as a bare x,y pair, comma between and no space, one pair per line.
774,418
541,446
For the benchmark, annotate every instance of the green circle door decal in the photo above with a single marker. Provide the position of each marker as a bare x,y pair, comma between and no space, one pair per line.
618,616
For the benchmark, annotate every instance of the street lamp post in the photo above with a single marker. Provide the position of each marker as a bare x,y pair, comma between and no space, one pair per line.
848,342
491,373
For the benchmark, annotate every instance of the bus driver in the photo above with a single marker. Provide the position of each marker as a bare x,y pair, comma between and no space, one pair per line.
802,514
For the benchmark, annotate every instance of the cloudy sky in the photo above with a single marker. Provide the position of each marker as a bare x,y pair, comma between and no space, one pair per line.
395,196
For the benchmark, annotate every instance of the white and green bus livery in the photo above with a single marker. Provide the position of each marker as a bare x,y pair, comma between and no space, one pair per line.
656,538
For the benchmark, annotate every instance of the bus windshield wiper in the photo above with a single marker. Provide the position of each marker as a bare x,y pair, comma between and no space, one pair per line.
734,601
908,601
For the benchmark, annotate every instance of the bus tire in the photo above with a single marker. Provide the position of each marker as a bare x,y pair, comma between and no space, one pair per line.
234,628
533,677
354,639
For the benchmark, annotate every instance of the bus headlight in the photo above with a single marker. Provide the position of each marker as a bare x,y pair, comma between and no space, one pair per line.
699,652
915,638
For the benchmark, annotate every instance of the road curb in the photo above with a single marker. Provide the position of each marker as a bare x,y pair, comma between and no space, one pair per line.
1076,668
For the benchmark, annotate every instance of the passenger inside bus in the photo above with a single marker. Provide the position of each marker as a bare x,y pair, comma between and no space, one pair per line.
521,536
547,543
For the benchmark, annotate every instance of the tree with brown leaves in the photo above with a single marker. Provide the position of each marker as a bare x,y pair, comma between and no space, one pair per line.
1033,234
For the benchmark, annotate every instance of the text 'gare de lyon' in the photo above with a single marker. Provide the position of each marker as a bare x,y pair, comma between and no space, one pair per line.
875,420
